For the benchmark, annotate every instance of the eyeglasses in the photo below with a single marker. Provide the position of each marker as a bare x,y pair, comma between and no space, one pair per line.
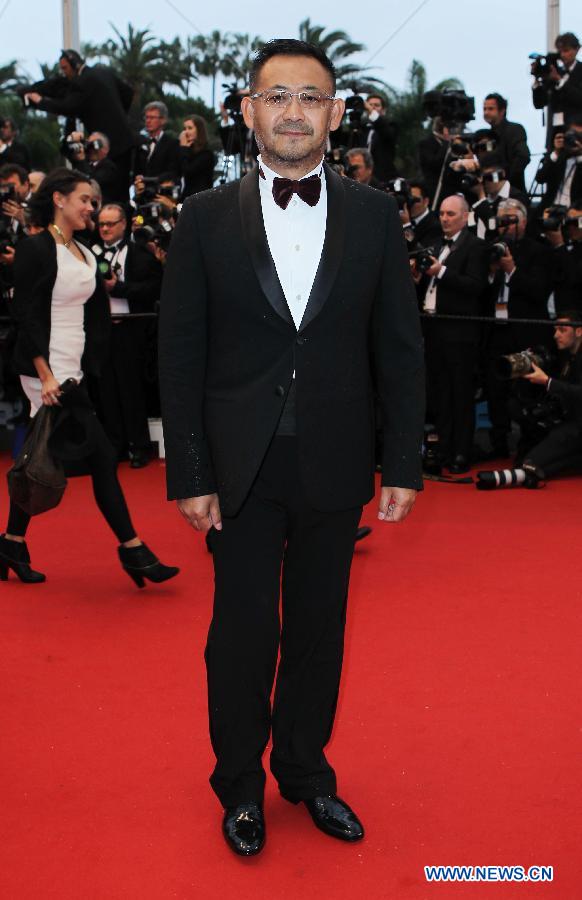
282,99
110,224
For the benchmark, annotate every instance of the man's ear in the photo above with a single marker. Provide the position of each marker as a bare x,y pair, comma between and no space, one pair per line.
247,110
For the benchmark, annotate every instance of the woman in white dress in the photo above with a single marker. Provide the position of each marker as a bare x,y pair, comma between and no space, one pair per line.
62,313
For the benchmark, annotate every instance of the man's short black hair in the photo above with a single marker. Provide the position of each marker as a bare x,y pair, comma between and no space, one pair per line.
288,47
491,161
8,170
568,41
422,187
501,101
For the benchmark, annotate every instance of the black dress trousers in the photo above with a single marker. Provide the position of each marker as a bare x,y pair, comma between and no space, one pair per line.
277,552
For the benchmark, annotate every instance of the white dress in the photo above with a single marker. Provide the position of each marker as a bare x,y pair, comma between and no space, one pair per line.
74,284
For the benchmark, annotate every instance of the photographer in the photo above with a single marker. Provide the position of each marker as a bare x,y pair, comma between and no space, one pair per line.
11,149
424,223
518,289
554,416
453,285
566,256
561,170
92,158
511,140
361,167
98,97
558,84
14,196
491,188
133,278
197,161
381,136
160,150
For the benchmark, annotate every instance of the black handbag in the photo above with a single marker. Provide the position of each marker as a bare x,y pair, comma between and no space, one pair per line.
36,481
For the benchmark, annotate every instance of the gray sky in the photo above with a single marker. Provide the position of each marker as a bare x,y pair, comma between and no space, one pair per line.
485,44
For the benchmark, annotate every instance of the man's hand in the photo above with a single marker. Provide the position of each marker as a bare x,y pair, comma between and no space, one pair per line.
201,512
395,503
110,283
435,267
139,185
33,97
507,263
7,258
13,209
553,74
537,376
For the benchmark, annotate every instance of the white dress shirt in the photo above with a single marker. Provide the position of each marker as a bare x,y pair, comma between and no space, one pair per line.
430,298
118,305
295,236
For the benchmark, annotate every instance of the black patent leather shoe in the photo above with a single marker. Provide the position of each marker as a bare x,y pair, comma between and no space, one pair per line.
243,827
334,817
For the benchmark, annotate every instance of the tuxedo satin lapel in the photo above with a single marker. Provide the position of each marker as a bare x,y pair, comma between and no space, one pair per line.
256,240
460,242
333,245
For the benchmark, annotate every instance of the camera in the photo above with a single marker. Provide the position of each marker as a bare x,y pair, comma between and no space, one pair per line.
484,145
546,413
572,139
451,106
97,144
498,251
154,225
507,221
400,190
543,62
7,192
555,219
355,107
232,101
516,365
423,258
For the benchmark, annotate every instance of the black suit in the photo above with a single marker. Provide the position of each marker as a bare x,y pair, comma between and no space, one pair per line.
527,298
197,168
451,345
121,388
551,173
567,276
512,147
486,212
228,351
382,145
165,159
109,178
16,154
566,100
428,231
99,97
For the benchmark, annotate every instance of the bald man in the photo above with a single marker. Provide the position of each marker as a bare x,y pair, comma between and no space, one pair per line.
453,285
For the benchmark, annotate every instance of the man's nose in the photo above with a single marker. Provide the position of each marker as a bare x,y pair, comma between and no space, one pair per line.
294,110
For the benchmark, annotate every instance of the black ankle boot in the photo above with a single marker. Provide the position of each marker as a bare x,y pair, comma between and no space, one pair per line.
14,555
140,563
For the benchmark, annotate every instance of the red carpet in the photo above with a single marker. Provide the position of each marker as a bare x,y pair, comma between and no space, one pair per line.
458,738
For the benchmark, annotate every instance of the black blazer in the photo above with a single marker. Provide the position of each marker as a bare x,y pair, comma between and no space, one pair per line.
35,273
197,170
512,147
428,232
567,100
460,290
552,174
142,280
383,147
229,347
529,287
567,277
109,178
165,160
101,100
16,154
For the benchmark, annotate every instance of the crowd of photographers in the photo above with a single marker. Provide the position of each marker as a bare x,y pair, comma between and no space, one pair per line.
498,270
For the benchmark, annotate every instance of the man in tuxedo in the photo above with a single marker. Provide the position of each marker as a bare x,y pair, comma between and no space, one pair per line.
11,149
361,167
560,90
491,189
133,283
267,403
98,97
425,224
453,285
561,170
381,136
519,284
160,152
510,138
92,158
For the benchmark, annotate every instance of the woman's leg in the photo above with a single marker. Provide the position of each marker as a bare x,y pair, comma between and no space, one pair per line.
17,522
107,489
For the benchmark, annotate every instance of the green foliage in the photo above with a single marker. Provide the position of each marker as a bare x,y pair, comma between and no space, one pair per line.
41,133
339,47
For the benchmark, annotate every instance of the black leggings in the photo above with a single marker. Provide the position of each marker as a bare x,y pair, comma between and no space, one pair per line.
106,487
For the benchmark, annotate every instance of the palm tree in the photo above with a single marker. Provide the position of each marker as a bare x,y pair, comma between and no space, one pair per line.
405,108
211,51
9,77
339,47
239,59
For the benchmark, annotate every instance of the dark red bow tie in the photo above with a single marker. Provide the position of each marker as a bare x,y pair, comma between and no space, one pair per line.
309,189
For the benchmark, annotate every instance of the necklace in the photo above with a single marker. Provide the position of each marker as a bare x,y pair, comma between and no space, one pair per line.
62,236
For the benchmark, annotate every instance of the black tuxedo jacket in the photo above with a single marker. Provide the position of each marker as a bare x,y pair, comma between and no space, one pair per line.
142,281
101,100
165,160
567,100
529,287
552,174
17,153
428,232
229,347
460,290
35,273
383,147
512,146
108,177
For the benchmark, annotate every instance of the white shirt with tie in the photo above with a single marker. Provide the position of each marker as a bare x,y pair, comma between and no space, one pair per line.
430,298
295,236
